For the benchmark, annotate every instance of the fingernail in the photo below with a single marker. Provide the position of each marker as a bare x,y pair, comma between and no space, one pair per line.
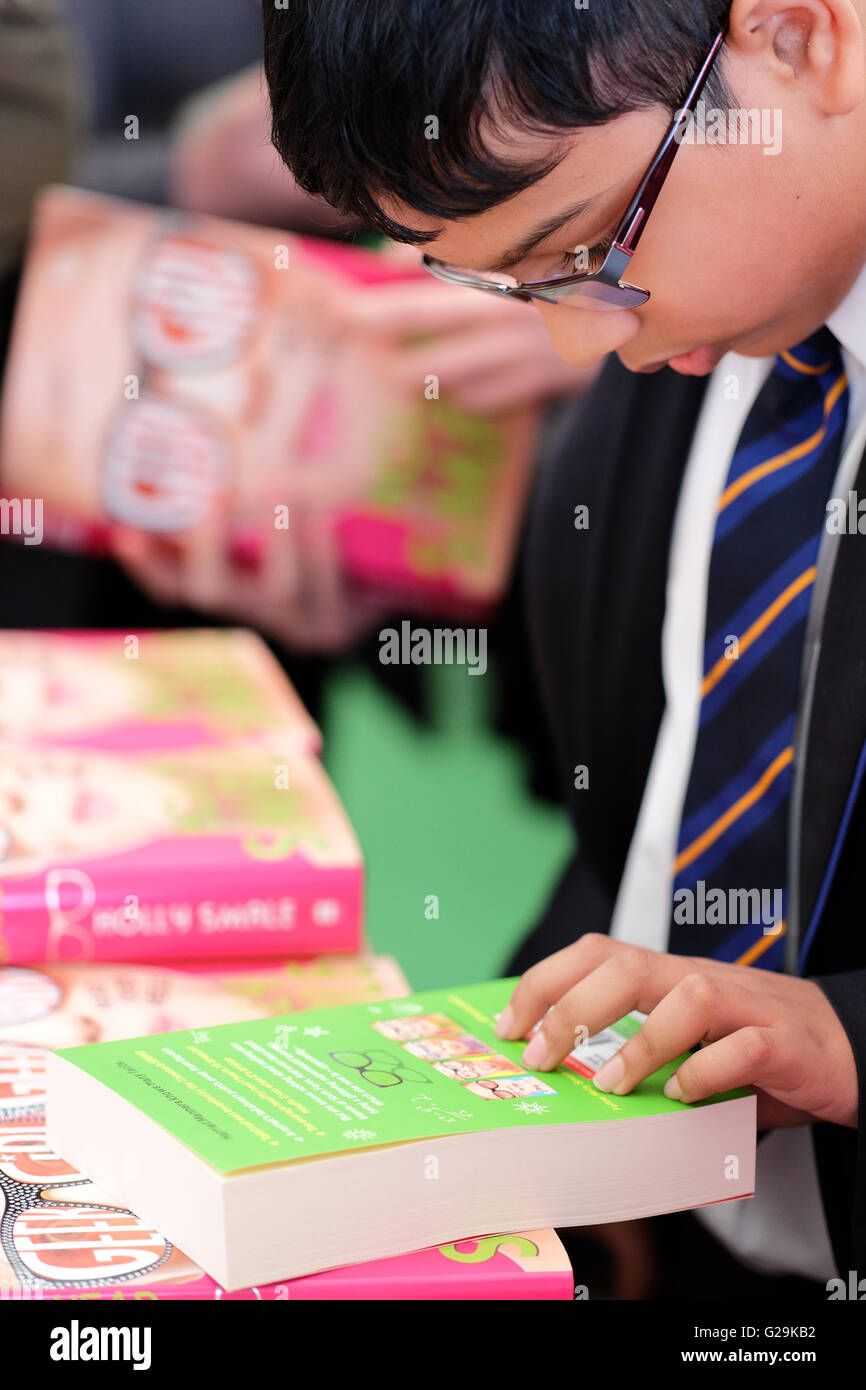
505,1022
610,1076
536,1053
673,1089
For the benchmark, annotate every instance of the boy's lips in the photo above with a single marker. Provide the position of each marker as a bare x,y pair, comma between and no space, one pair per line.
700,362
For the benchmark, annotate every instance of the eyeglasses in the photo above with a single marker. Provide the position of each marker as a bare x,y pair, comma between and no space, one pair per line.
378,1067
603,288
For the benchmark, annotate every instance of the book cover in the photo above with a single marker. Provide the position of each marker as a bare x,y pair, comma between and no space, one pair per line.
235,850
162,363
149,691
335,1080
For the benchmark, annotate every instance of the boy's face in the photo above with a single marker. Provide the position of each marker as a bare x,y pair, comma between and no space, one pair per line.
745,250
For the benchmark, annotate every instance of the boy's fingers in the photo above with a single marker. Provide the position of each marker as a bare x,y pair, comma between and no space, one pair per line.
549,980
701,1007
604,996
630,979
752,1056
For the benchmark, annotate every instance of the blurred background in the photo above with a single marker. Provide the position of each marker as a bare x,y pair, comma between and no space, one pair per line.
449,781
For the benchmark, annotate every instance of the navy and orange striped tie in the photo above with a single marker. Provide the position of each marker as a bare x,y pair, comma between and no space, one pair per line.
730,873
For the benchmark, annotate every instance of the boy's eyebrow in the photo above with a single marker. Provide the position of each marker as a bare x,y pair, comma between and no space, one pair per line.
541,233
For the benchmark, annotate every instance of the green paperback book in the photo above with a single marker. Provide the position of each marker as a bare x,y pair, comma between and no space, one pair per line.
285,1146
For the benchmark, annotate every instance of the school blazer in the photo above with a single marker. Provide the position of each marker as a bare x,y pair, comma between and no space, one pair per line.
595,602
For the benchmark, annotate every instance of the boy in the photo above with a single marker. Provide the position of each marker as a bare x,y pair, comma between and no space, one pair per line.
682,184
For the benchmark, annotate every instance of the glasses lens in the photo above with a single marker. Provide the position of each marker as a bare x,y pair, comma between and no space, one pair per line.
475,279
352,1059
593,294
580,294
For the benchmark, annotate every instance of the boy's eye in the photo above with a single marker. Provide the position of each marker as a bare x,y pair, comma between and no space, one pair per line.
586,260
595,255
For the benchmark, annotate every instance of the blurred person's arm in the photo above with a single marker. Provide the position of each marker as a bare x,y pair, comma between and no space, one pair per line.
490,354
223,162
38,113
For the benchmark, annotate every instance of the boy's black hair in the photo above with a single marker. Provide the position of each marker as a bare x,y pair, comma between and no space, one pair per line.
354,83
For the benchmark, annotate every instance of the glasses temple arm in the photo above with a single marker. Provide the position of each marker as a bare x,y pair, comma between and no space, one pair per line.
632,226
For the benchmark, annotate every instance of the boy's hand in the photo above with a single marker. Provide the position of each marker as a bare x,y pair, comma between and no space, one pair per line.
757,1028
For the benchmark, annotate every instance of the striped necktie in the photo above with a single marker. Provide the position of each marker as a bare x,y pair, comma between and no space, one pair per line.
731,868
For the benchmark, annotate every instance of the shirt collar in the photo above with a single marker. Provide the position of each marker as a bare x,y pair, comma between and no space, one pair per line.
848,322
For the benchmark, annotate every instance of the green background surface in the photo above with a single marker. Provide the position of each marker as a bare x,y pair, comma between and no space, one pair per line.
444,811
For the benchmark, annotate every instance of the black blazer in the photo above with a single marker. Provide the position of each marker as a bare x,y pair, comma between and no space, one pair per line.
596,601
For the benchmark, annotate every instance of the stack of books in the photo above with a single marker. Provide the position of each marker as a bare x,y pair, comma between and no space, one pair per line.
162,798
174,857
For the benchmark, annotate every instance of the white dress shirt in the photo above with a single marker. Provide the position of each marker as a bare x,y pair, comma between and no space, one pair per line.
782,1228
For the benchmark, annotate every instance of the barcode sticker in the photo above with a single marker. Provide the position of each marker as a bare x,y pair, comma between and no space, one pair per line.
590,1056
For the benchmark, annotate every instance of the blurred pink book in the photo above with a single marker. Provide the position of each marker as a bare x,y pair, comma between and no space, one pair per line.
164,364
150,691
70,1241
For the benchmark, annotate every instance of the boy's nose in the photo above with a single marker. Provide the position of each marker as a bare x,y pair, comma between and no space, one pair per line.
583,337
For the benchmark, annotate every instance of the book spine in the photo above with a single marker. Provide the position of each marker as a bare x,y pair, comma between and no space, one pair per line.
436,1280
453,1284
68,914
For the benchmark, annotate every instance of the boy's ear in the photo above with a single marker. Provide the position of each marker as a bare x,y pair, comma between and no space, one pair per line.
816,41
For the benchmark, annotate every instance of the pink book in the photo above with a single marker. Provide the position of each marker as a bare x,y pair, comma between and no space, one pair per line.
150,691
239,849
54,1005
70,1241
162,364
